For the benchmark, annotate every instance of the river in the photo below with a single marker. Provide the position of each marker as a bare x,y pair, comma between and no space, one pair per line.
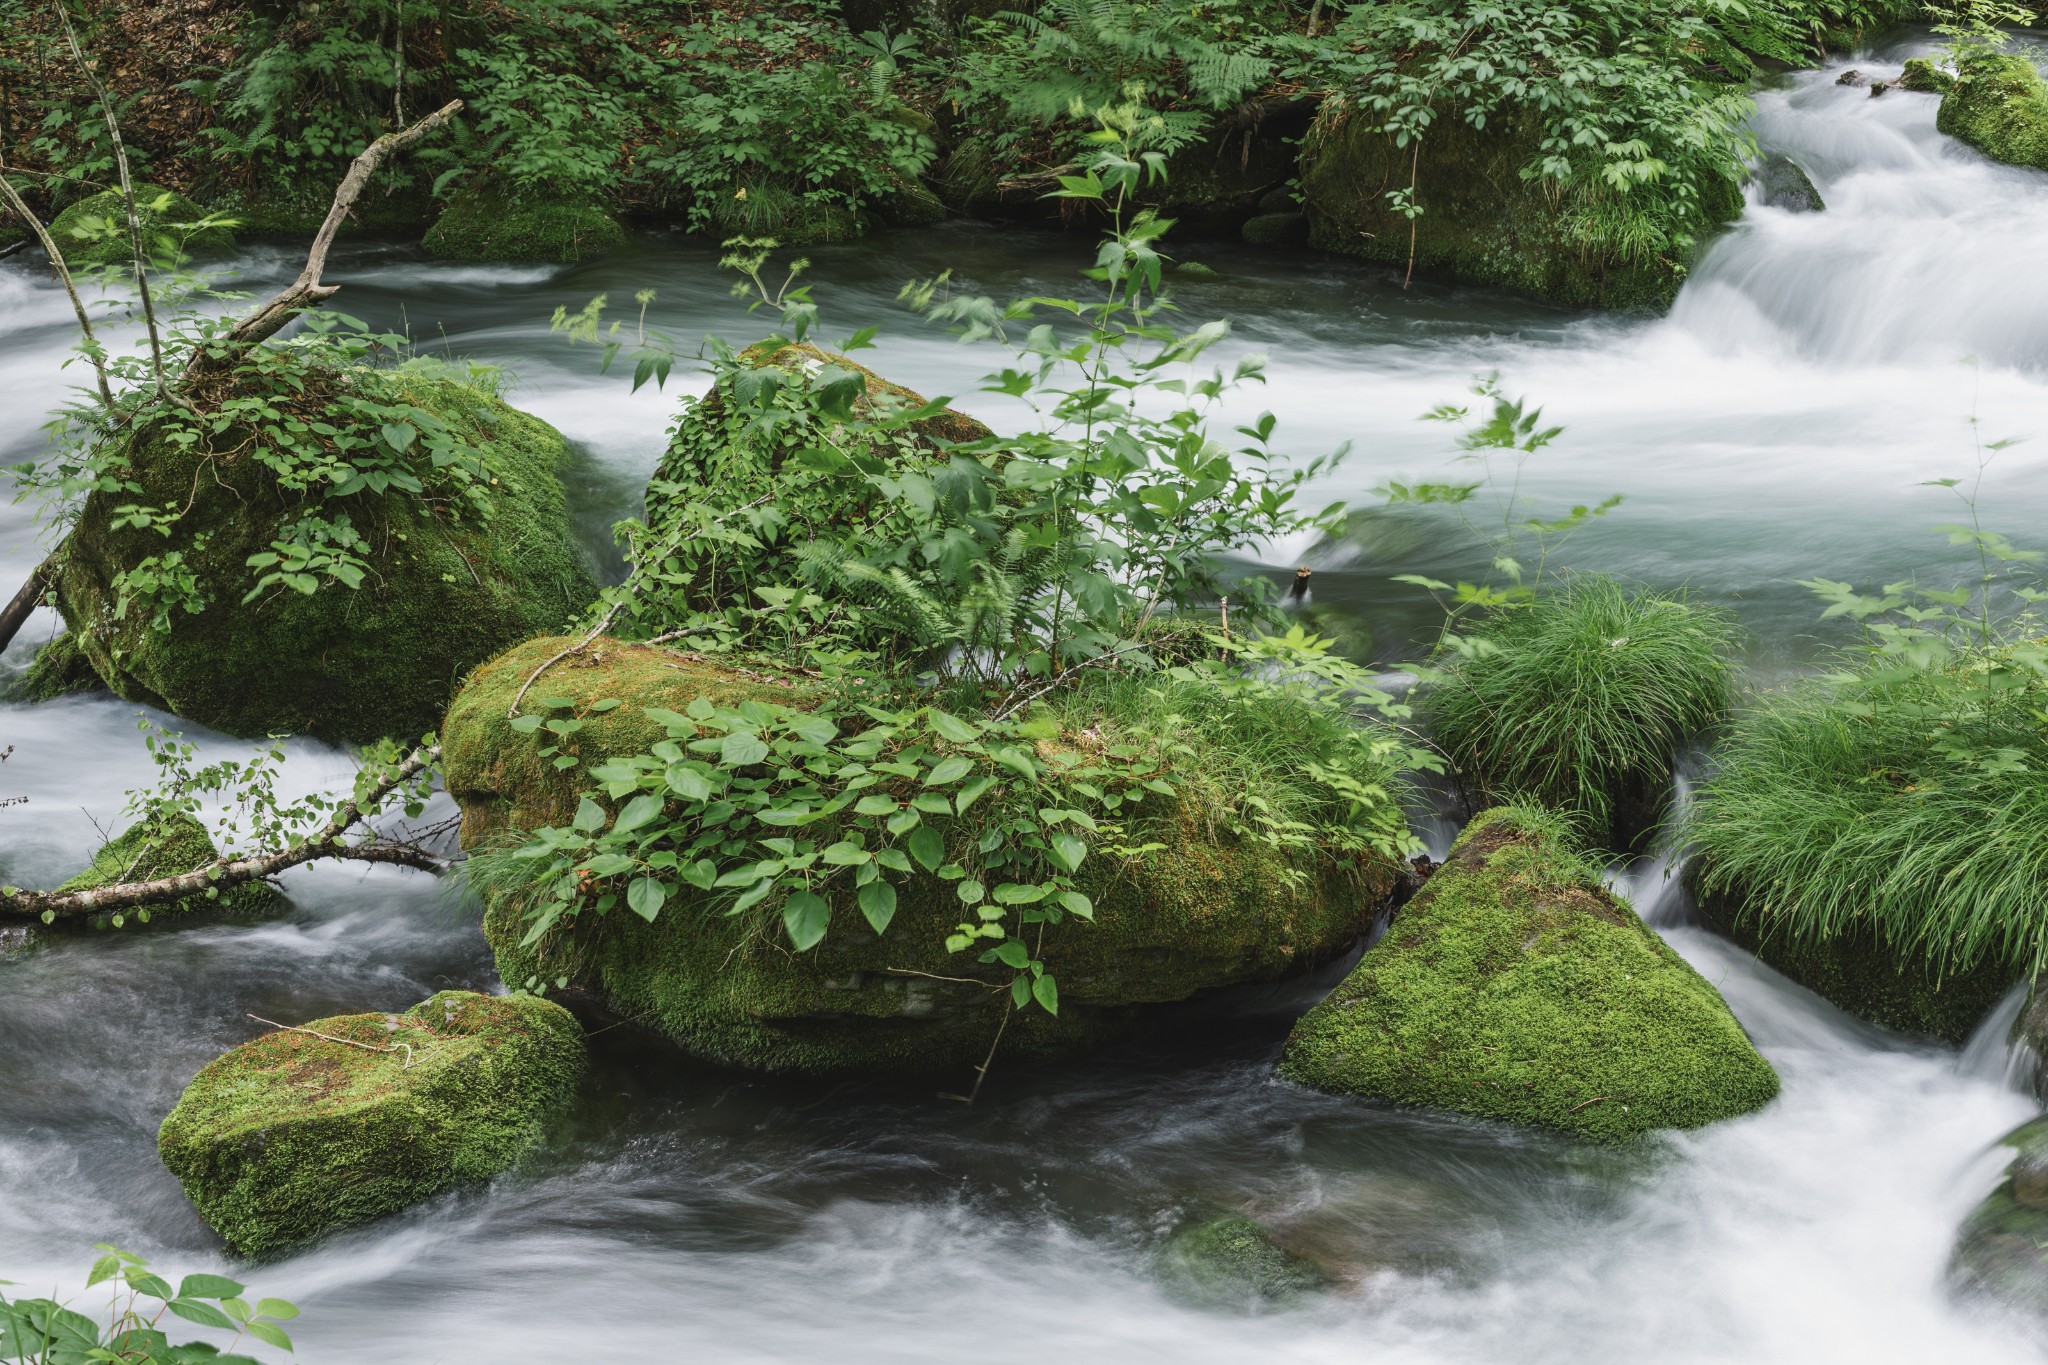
1777,425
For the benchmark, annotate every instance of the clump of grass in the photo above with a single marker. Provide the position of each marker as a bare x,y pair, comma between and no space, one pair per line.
1911,806
1581,700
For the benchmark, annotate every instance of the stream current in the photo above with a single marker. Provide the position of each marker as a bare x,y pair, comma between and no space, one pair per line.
1773,427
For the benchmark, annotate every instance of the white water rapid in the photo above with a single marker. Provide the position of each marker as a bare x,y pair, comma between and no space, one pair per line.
1775,426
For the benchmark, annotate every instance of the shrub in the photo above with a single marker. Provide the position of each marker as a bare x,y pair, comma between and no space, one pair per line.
1581,700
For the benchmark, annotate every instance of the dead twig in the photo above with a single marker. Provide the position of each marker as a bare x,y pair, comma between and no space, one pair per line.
406,1048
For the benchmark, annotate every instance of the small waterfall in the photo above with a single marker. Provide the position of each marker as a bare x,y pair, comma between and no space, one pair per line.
1994,1053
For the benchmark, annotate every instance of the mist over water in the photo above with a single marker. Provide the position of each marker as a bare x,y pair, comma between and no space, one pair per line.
1772,427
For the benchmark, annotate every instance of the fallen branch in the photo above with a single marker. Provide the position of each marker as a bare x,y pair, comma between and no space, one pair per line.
307,290
16,613
406,1048
222,873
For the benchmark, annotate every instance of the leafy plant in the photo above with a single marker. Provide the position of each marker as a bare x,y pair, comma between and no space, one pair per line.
46,1332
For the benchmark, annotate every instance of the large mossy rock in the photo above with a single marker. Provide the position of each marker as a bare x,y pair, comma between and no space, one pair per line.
60,669
1858,972
293,1136
94,231
1514,987
2002,1251
1203,912
483,227
1999,105
445,591
1482,223
169,846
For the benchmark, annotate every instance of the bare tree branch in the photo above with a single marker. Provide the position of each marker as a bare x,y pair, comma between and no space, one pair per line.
326,842
17,612
92,345
306,290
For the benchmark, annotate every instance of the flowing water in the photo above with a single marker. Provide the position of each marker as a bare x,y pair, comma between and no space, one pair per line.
1774,427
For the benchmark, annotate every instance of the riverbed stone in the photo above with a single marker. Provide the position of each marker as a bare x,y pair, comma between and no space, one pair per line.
1783,184
1999,105
1999,1252
1231,1261
1515,987
446,586
295,1135
1204,911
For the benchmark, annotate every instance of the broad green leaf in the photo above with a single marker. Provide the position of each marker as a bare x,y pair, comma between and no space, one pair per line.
1020,893
927,847
643,809
1077,904
688,783
903,820
269,1332
1047,994
970,891
208,1287
1066,851
282,1309
972,792
875,804
645,897
953,728
589,817
805,916
948,770
845,854
878,903
205,1314
742,750
1013,954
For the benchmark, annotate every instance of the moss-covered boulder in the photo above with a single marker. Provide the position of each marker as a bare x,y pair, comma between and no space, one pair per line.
1783,184
1482,223
1514,987
1923,75
1205,910
484,227
1999,105
1233,1262
60,669
296,1135
1855,970
94,231
1999,1252
168,846
449,577
389,203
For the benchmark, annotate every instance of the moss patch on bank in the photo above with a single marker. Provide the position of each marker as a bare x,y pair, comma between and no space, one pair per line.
443,591
483,227
94,231
1514,987
1998,104
293,1136
1204,911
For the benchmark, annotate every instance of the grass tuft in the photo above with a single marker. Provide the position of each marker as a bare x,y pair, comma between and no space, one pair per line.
1581,701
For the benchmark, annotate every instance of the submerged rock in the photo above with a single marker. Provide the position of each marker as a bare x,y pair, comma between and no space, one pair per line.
1207,910
1858,973
1514,987
446,583
1277,229
1999,105
1784,185
484,227
1483,223
1233,1262
2002,1251
292,1136
94,231
168,846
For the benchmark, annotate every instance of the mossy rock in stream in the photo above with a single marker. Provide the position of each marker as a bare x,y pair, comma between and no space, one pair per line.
1482,223
449,581
60,669
1206,910
1514,987
2002,1251
1921,74
292,1136
484,227
1856,971
168,846
1231,1261
1999,105
94,231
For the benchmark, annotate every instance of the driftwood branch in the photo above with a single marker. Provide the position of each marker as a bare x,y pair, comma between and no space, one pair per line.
16,613
326,842
307,290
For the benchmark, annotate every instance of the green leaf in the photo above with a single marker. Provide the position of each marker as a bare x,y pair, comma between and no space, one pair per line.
805,916
875,804
970,891
205,1314
932,803
845,854
589,817
948,770
1020,893
641,810
282,1309
893,859
741,750
701,873
645,896
208,1287
1013,953
903,820
953,728
525,724
269,1332
878,903
972,792
1077,904
1020,991
399,435
688,783
928,848
1047,993
1066,851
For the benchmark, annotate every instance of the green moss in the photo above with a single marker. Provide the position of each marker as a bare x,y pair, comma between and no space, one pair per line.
166,847
94,231
1999,1254
1232,1261
768,209
1514,987
1923,75
342,664
1857,972
1482,223
1999,105
1205,912
298,210
60,669
292,1136
482,227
